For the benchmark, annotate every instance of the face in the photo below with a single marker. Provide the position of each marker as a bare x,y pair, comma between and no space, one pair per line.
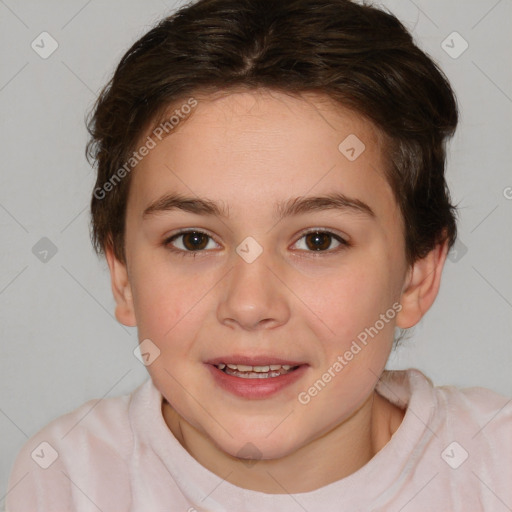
252,237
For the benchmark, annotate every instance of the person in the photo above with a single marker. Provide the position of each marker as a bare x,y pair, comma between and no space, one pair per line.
272,204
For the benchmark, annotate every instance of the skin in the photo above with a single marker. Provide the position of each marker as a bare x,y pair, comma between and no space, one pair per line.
246,151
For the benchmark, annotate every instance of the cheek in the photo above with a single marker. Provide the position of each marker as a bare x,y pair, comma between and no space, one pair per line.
347,303
161,298
348,296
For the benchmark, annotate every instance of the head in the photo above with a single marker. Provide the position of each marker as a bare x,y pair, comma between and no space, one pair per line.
303,142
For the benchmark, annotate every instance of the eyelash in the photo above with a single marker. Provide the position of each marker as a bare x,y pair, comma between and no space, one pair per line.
185,253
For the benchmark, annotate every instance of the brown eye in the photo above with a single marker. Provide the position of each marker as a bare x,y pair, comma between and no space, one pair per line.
195,241
190,241
320,241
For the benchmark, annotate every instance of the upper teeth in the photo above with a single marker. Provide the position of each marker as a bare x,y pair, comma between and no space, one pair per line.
245,368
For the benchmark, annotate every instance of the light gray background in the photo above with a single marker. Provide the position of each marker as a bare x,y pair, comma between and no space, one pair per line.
60,344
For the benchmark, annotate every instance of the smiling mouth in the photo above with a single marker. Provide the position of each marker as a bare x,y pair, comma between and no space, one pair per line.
256,372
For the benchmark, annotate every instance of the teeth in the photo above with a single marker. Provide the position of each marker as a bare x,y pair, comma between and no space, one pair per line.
253,375
244,368
262,369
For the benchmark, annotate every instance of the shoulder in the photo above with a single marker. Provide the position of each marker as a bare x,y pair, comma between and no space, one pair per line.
478,416
474,430
475,421
99,422
460,438
476,407
470,407
85,448
481,417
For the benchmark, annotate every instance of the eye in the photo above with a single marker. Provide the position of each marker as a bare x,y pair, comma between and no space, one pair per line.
194,241
190,241
321,241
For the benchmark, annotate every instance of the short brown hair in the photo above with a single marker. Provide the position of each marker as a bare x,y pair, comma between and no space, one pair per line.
358,55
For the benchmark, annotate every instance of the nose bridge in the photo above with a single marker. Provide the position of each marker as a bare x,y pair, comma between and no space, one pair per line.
253,296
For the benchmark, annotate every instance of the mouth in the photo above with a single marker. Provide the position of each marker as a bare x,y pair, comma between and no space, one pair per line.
255,367
268,371
255,377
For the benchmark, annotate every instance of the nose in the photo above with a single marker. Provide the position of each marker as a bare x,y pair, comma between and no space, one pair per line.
253,297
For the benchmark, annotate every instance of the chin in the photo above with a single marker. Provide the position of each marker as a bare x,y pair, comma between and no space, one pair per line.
254,448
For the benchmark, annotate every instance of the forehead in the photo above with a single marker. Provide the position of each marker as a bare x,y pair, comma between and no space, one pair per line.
271,145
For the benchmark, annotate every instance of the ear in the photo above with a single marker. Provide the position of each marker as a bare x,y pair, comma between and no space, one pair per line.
121,289
421,286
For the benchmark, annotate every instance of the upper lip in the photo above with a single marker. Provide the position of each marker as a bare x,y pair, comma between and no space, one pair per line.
253,360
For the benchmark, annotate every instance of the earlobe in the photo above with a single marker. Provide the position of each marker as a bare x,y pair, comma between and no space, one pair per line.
121,289
421,286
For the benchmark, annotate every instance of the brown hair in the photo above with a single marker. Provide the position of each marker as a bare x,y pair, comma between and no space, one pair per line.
359,56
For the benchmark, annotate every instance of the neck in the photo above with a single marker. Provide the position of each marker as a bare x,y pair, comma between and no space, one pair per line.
332,456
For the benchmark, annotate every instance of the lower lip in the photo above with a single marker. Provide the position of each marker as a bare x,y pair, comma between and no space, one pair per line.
255,388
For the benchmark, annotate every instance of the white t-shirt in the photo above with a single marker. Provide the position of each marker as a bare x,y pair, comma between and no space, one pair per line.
452,452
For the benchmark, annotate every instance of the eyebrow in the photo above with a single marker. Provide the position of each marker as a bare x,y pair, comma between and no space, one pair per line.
288,208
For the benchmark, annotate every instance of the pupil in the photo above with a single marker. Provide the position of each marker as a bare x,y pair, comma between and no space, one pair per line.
194,241
321,241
